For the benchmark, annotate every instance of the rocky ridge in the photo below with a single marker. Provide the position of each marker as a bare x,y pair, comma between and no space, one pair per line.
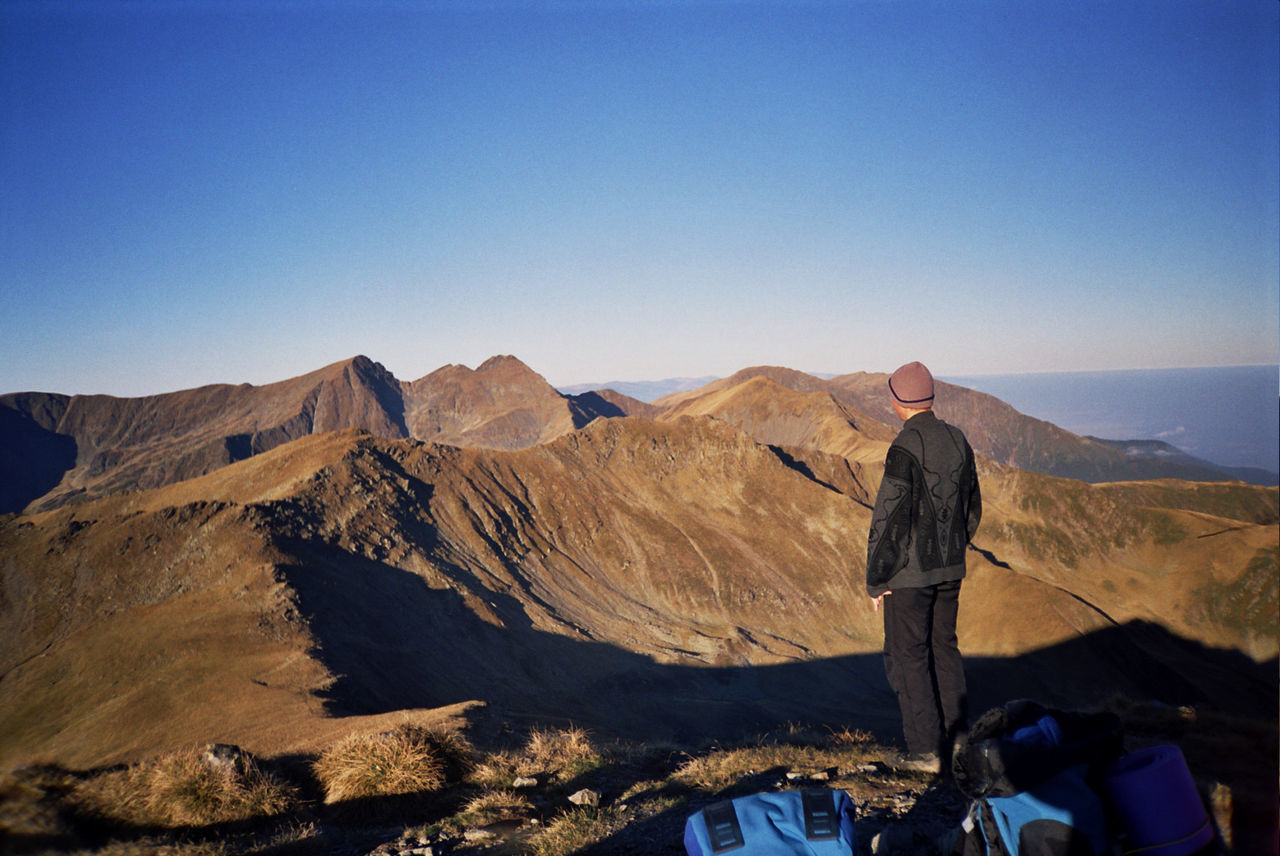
56,449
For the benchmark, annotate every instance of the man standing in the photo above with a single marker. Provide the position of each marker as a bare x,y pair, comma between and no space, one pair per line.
926,512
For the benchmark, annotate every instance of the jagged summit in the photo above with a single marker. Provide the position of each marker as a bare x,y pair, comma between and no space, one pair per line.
107,444
56,449
502,405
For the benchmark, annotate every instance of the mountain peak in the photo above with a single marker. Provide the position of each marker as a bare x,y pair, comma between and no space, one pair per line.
509,368
501,361
363,363
504,404
362,366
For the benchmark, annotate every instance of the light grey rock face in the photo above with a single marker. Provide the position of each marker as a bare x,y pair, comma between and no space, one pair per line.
585,797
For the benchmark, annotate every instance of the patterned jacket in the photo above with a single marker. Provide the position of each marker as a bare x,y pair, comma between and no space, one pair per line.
927,508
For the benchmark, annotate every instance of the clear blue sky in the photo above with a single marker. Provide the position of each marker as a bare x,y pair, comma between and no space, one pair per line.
206,191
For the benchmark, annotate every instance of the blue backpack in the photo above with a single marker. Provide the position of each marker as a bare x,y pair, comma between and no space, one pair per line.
816,822
1030,772
1061,816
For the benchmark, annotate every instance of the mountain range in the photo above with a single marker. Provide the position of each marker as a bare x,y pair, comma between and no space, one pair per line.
271,565
56,448
59,448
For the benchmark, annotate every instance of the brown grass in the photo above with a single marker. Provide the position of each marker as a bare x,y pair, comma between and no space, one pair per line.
794,751
563,753
491,806
646,790
182,789
33,800
547,755
575,829
497,770
406,760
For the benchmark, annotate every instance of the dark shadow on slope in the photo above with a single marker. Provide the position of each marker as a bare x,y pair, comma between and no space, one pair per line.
802,468
832,472
589,406
32,460
397,643
386,389
238,447
990,557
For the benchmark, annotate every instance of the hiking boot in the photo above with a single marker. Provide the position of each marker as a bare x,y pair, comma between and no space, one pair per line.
918,762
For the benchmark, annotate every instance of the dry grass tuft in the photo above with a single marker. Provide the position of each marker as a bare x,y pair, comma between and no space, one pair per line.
458,755
182,789
497,770
852,737
573,830
791,750
406,760
562,753
557,755
492,806
721,768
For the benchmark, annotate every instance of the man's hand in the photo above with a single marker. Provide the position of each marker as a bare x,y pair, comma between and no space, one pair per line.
876,602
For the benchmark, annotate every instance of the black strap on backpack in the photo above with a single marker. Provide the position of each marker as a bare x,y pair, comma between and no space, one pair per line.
820,821
722,827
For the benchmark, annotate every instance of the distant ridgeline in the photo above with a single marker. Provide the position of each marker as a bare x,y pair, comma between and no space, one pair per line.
1211,422
56,448
1222,419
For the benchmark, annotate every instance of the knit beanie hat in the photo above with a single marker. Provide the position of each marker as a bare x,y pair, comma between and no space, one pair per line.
912,386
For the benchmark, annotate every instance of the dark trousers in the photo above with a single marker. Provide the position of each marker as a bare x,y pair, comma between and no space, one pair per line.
922,662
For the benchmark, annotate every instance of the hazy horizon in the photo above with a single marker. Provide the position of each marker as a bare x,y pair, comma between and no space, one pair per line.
239,192
601,384
830,374
1228,415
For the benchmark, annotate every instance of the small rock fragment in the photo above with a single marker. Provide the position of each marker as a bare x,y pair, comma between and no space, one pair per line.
586,797
224,756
